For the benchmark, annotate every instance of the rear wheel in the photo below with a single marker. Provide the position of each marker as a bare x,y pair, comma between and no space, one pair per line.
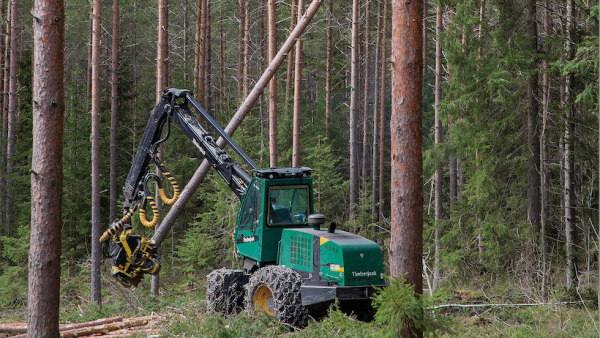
224,292
276,290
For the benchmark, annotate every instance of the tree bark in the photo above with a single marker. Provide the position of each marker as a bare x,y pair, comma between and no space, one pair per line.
367,73
438,139
328,66
46,169
290,65
354,185
12,112
533,191
568,190
246,78
207,58
382,110
221,60
272,51
113,112
406,244
96,91
162,82
375,171
297,94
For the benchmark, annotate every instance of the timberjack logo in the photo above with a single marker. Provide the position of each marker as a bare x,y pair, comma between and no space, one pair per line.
249,239
364,274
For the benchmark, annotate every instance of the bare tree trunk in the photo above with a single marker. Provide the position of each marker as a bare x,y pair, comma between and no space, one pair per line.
367,73
113,112
354,185
241,41
247,49
96,90
221,60
185,43
207,68
328,66
545,215
3,115
89,69
438,139
375,177
382,109
46,169
568,156
290,65
452,163
272,51
533,191
297,95
162,82
201,50
406,244
12,112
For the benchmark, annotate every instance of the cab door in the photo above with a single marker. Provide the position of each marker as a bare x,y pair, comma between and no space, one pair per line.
248,236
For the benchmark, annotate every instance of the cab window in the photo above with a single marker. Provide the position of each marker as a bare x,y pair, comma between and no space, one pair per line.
252,209
288,205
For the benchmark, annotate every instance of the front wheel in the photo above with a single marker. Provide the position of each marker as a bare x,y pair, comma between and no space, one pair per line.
276,290
224,292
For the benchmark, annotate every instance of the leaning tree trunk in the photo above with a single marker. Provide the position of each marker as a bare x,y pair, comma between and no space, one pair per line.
46,169
406,244
96,33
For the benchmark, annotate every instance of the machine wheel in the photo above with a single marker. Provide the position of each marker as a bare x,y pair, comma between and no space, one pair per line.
220,300
276,290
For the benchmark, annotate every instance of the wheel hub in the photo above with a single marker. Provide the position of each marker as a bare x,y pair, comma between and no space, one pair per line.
263,298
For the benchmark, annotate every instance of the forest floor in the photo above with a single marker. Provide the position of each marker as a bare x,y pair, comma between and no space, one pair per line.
180,312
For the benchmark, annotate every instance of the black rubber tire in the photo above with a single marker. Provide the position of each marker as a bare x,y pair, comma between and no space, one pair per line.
284,284
219,301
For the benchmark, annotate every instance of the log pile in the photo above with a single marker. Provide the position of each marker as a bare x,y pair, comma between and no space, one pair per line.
96,327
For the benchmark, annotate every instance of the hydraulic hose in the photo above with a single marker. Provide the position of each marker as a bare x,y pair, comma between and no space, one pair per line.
161,191
118,225
154,221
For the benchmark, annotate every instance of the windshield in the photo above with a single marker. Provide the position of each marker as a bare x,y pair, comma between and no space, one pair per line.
288,205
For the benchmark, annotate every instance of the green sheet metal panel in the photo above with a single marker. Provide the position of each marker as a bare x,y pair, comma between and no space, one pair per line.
296,250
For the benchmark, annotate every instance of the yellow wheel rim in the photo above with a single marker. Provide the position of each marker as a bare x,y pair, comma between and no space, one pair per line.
261,298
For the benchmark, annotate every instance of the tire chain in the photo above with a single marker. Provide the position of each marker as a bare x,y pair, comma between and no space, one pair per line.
217,300
284,284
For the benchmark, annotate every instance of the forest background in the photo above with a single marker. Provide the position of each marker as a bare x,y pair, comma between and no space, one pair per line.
479,229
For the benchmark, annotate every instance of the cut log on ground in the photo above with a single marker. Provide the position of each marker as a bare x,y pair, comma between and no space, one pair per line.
22,327
100,326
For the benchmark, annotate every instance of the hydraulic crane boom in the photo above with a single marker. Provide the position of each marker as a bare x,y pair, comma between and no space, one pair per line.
134,255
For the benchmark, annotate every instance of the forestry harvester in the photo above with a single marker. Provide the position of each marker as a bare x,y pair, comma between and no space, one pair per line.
290,263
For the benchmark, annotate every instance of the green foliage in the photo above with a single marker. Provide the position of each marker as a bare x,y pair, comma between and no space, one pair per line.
398,308
13,277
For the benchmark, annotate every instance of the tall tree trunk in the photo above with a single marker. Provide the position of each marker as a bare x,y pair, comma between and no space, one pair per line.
533,191
367,74
272,51
375,171
46,169
221,60
185,43
438,139
162,82
382,109
113,112
545,215
354,185
12,113
328,66
290,60
452,163
207,58
3,73
201,51
247,49
568,190
241,41
406,244
297,94
96,91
